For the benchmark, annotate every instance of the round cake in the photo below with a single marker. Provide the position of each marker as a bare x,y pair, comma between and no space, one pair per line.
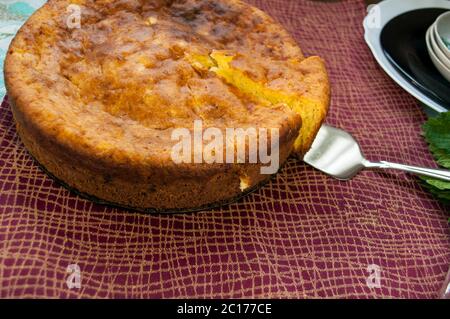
101,89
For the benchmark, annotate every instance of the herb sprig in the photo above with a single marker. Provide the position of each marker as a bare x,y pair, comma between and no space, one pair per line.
437,133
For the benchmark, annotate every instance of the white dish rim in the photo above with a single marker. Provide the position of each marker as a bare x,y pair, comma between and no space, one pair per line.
441,43
435,47
435,59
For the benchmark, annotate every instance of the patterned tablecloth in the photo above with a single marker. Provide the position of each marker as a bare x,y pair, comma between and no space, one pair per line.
302,235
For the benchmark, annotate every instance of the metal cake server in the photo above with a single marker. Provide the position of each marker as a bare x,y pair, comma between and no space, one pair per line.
336,153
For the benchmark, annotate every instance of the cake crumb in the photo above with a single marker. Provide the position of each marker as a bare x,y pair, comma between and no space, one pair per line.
152,20
245,183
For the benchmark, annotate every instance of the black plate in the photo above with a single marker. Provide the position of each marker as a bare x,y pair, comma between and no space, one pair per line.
404,44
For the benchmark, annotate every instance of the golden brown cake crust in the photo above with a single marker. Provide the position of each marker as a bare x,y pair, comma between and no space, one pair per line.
96,105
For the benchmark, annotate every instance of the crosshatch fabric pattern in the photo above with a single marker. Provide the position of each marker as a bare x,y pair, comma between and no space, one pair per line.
302,235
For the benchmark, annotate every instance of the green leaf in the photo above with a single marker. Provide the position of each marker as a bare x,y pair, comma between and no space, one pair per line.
437,132
443,195
441,185
442,158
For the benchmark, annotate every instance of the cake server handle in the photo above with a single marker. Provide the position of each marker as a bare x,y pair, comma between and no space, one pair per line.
441,174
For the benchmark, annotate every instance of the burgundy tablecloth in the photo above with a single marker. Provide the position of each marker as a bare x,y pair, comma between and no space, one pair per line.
302,235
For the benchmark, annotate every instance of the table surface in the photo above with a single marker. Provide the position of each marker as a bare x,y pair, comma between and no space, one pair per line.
302,235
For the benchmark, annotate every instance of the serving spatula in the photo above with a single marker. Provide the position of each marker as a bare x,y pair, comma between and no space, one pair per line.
336,153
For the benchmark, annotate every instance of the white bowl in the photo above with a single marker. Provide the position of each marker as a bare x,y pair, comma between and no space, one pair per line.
436,48
442,31
442,68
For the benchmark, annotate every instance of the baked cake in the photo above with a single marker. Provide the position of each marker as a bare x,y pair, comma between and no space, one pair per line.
96,103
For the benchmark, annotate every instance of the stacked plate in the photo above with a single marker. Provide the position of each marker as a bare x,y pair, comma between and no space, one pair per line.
438,44
397,33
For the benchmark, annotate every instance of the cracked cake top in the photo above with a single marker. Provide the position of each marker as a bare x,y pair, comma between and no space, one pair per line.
133,70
